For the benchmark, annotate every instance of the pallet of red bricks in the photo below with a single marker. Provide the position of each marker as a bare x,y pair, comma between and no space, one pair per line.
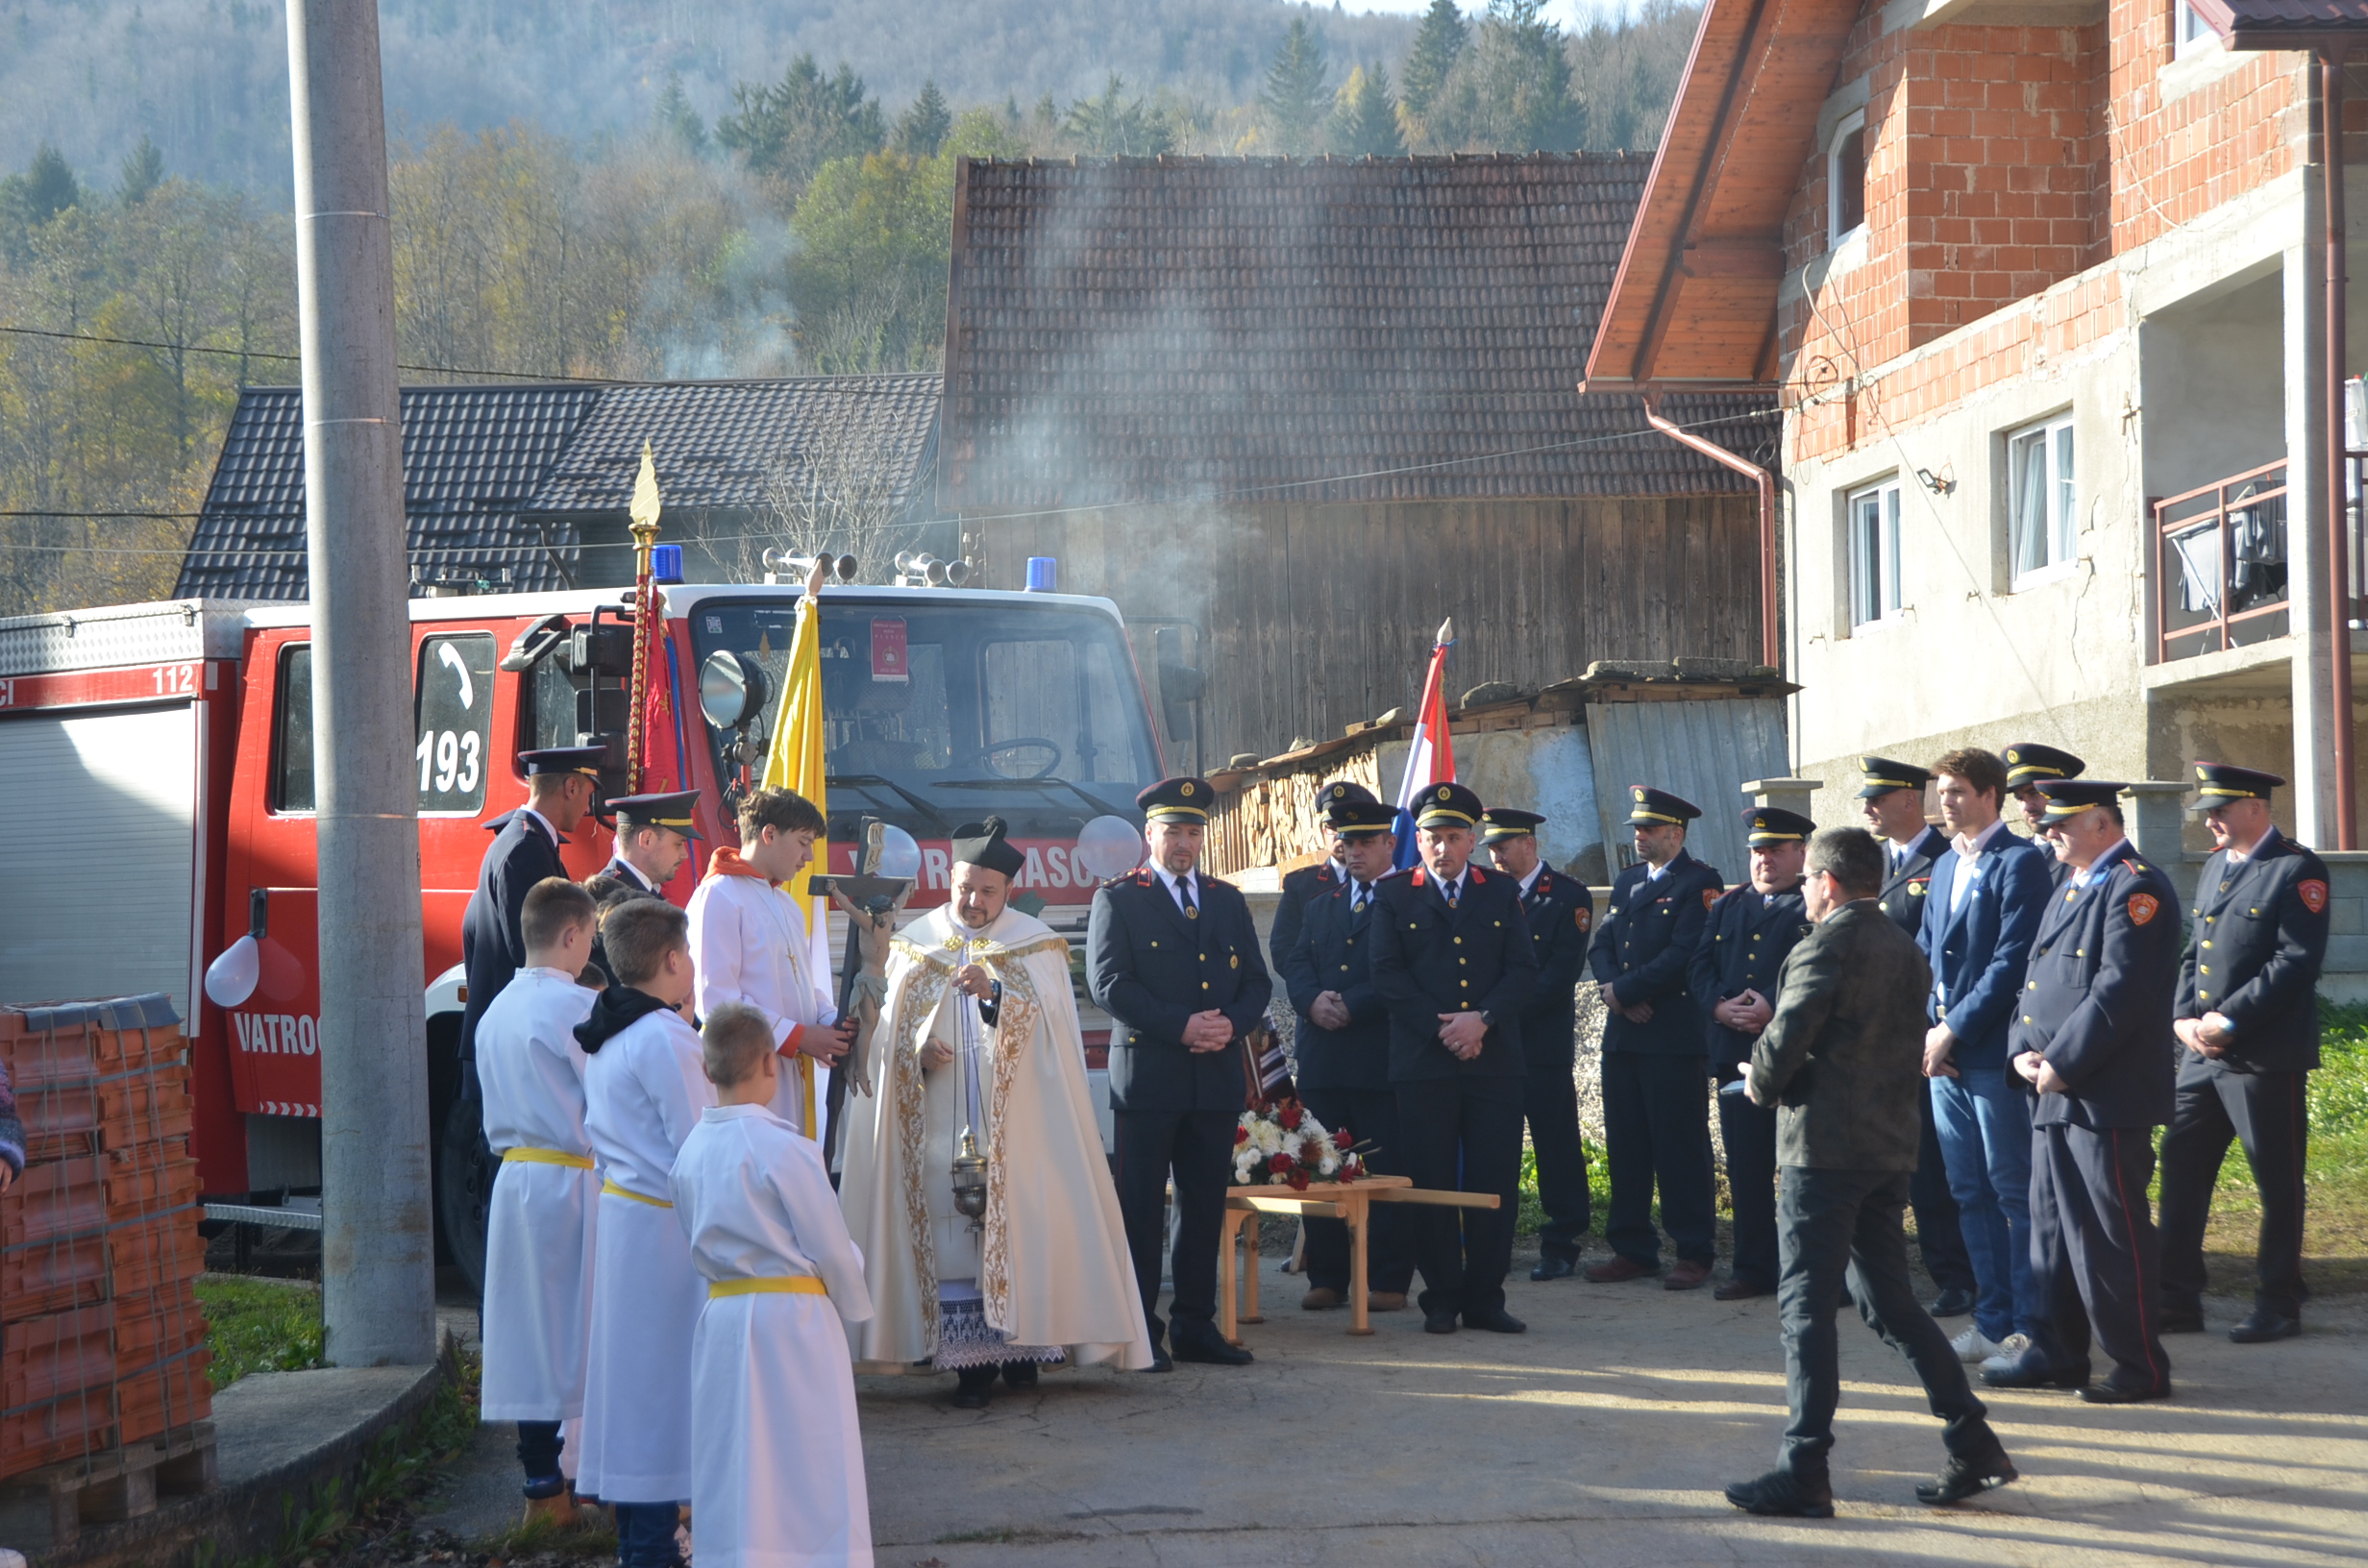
103,1400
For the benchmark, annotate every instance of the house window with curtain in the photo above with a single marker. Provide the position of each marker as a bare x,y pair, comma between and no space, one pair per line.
2040,513
1874,553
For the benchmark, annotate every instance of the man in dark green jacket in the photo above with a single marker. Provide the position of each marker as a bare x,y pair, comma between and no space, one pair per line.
1842,1058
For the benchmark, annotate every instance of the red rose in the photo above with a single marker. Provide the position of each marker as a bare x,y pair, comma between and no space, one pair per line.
1279,1164
1241,1136
1342,1137
1290,1115
1298,1181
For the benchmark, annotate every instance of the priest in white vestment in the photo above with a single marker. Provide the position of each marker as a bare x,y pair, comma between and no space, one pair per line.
980,1033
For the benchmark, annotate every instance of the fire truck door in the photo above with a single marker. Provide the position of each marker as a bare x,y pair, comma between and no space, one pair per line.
274,1041
105,850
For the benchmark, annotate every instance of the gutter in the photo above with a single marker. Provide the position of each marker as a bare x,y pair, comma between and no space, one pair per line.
2332,58
1771,647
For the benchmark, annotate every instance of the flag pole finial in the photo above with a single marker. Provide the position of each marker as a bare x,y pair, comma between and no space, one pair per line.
1447,631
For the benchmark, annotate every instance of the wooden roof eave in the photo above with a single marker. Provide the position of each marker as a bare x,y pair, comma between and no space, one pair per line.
1713,209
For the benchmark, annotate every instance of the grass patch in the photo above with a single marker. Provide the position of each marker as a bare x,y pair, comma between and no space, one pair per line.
2336,1171
1532,1217
257,1325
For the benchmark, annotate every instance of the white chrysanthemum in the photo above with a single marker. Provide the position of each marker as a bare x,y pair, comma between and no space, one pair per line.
1328,1165
1268,1137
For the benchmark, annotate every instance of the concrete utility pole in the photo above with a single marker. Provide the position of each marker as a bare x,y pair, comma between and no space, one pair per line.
377,1240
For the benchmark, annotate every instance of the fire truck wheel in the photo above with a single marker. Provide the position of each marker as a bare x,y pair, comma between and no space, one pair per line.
464,1182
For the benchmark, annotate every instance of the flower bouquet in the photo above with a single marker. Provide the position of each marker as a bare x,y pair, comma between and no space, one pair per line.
1279,1145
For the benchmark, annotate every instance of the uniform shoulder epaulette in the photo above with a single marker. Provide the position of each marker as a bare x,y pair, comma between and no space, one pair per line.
1208,881
1393,875
1134,878
1479,877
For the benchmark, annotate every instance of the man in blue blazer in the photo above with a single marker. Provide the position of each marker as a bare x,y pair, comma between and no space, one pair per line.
2092,1036
1981,914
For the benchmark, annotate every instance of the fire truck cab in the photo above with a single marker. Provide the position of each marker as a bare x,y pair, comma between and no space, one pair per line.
162,761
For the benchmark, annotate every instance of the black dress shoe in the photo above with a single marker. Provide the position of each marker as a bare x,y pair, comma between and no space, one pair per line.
1961,1479
1782,1494
1742,1287
974,1387
2182,1320
1498,1321
2109,1392
1161,1360
2033,1370
1954,1302
2261,1327
1438,1322
1212,1350
1554,1266
1020,1375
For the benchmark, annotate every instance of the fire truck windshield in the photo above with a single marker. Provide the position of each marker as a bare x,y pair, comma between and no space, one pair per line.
940,711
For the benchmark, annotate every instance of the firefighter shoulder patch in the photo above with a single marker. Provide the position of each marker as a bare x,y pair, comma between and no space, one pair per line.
1709,896
2314,896
2142,907
1580,916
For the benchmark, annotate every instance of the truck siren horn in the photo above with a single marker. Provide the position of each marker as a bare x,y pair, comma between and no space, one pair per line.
929,572
796,567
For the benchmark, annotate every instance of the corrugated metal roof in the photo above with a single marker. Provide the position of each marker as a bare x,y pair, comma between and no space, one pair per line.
1698,751
502,476
1395,328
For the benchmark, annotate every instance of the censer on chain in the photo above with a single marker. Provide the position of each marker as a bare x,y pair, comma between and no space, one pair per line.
969,1178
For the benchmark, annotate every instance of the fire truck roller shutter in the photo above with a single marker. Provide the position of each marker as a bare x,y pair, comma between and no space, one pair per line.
105,855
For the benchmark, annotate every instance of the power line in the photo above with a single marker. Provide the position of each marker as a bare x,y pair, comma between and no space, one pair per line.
294,359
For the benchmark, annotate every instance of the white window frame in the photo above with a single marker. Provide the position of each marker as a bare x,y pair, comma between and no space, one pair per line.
1872,531
2189,31
2045,545
1836,236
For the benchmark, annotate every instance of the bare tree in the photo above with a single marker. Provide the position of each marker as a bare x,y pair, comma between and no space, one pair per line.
838,487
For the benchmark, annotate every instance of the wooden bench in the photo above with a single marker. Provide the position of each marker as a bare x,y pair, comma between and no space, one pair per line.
1350,1202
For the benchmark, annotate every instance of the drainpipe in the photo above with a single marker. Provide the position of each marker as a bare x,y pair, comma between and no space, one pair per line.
2331,61
1771,647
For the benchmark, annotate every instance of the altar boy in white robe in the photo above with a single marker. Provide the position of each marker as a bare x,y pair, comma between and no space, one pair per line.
777,1457
645,1086
539,1225
751,943
980,1032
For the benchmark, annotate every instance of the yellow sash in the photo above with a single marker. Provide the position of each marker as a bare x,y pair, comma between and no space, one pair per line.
785,1285
547,1157
655,1203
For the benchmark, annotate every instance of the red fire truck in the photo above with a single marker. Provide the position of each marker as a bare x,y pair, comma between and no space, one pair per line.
160,764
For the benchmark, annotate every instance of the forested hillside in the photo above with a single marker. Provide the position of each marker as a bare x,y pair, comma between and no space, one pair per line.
688,213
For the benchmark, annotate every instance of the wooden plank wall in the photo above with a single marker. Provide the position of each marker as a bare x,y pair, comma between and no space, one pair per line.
1273,820
1321,615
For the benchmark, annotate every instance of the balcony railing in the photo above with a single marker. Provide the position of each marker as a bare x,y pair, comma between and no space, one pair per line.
2220,562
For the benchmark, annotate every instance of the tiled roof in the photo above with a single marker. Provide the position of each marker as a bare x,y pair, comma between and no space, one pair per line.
2292,15
720,443
498,477
1167,330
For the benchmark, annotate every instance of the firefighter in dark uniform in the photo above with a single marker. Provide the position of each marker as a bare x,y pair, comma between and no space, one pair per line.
1173,957
2247,1023
2093,1035
1311,881
1561,916
2028,765
1342,1063
655,833
1750,932
1893,802
1655,1118
561,784
1453,962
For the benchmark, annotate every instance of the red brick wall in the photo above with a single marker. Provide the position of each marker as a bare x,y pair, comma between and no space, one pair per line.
2002,162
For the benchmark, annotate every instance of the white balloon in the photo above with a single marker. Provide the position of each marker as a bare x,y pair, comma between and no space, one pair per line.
230,978
1109,846
899,854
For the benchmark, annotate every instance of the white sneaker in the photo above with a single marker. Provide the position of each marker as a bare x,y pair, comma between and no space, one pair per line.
1972,1346
2009,1353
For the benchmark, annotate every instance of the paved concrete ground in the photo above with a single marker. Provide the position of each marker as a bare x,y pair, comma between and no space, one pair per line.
1603,1435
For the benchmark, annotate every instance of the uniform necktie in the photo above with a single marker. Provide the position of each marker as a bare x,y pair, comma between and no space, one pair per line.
1184,897
1357,899
1450,888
